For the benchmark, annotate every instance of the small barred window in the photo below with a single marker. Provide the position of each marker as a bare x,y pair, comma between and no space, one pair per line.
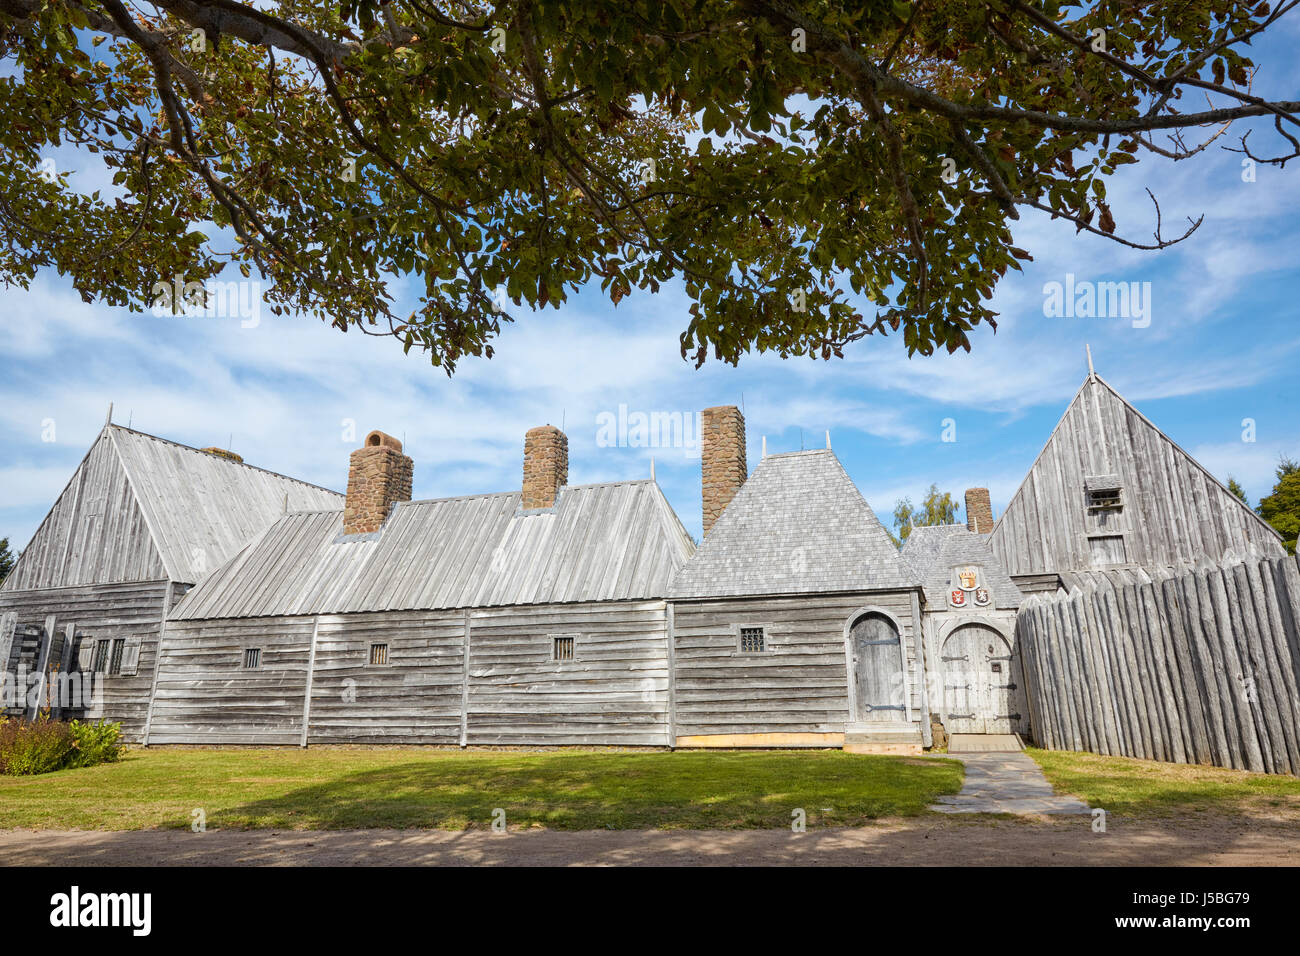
562,649
379,653
751,640
252,658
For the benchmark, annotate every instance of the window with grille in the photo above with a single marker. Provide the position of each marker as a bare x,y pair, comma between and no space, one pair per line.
752,640
562,650
379,653
1107,498
100,661
252,658
115,660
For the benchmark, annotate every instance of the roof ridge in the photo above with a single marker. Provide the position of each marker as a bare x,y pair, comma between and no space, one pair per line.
244,464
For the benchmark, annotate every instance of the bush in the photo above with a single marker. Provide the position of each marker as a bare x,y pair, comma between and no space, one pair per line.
43,745
36,746
100,742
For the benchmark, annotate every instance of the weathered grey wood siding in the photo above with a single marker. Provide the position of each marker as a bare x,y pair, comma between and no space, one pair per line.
1174,512
614,691
1199,667
205,695
416,698
94,534
132,612
798,685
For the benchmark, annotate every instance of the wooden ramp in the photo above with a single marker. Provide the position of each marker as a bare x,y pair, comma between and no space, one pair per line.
984,743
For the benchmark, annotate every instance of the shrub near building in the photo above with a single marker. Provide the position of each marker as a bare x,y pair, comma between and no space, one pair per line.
44,745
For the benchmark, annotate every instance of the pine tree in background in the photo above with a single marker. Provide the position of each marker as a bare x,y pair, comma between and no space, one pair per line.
7,559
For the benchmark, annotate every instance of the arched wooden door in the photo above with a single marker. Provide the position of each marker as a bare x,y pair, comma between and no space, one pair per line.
978,686
877,669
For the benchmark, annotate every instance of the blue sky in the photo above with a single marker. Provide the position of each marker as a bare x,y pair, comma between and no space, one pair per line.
1221,347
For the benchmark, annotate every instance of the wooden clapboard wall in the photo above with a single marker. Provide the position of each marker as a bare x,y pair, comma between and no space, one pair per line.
316,673
798,686
205,695
1199,667
614,692
133,612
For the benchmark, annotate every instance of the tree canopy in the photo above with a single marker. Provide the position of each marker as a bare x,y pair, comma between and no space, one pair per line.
1281,508
814,171
937,507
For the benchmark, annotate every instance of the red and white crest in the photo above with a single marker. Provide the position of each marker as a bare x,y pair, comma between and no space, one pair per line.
957,597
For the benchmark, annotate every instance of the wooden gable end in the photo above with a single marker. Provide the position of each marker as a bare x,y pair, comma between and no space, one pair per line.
1110,488
95,534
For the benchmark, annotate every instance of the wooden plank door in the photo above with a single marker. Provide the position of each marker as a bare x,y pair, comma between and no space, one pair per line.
878,670
978,688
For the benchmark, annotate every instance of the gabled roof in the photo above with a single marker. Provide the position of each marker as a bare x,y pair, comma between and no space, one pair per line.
602,542
934,551
142,508
797,525
1174,511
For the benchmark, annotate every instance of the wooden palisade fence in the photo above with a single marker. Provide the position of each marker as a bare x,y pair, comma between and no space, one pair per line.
1193,666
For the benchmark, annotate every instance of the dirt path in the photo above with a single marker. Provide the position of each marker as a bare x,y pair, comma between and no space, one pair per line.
1204,841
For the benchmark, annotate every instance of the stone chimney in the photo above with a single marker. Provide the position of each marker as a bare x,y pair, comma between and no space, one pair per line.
979,510
546,466
379,476
722,459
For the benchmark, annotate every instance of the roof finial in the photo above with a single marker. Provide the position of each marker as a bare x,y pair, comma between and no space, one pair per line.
652,468
1088,349
828,439
109,419
764,446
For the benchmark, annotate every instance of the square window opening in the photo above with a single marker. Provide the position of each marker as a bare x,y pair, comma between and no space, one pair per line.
252,658
752,640
562,649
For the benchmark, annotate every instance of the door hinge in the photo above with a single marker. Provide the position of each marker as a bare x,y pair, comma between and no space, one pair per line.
1003,686
961,716
1007,717
962,658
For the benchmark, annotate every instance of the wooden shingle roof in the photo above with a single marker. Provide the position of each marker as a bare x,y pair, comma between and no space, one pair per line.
935,550
798,525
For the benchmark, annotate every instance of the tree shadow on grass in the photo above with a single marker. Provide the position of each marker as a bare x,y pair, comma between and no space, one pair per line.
600,791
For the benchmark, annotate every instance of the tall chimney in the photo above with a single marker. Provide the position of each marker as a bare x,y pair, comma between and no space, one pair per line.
979,510
546,466
722,459
379,475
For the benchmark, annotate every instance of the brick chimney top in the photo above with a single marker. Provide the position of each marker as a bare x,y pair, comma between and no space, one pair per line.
546,466
379,476
723,467
979,510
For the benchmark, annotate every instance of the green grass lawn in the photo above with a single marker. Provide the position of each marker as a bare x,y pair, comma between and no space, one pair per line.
410,787
1129,786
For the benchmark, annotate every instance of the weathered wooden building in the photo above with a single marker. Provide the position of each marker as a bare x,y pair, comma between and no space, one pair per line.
1111,490
226,604
529,617
796,622
141,521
